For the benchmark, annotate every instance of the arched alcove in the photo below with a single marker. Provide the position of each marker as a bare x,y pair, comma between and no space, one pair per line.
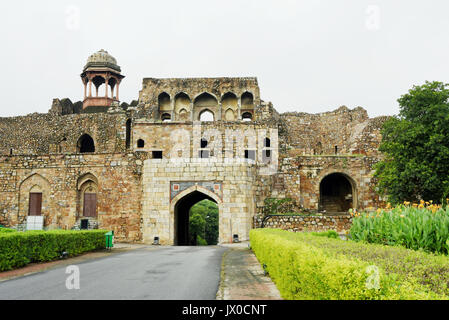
87,186
182,106
205,102
247,100
85,144
34,198
338,193
230,115
164,102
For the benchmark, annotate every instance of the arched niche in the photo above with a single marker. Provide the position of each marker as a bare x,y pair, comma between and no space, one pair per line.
230,115
182,104
203,102
85,144
338,193
34,198
247,101
164,102
229,100
87,187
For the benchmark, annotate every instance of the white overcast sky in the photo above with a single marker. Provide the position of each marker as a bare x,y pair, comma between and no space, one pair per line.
309,56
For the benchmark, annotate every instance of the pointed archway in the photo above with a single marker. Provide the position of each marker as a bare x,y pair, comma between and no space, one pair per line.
181,206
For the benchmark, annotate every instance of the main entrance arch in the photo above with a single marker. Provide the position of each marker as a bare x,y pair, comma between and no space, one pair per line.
338,193
180,209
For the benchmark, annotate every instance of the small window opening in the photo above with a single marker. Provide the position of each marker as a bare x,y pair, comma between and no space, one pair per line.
267,143
140,143
84,224
166,117
247,116
250,154
207,116
157,154
204,154
128,133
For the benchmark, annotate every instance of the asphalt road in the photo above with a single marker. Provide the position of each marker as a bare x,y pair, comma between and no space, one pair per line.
162,273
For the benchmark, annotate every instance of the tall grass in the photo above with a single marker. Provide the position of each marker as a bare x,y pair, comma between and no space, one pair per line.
415,226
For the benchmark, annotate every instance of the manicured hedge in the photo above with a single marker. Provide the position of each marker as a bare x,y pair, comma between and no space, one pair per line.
20,248
6,230
307,267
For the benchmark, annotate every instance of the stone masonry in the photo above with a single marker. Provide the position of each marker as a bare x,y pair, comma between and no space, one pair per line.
136,169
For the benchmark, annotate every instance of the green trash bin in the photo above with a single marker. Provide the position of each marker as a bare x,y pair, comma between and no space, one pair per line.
109,239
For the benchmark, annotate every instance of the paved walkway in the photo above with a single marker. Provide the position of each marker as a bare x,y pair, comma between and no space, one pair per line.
242,277
148,273
43,266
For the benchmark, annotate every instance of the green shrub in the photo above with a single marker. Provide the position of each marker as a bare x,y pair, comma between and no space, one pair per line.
413,227
328,234
6,230
17,249
200,241
306,267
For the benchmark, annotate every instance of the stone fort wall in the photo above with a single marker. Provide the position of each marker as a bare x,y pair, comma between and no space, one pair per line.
40,152
59,177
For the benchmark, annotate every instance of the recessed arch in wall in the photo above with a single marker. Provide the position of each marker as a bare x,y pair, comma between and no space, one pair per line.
87,186
338,193
164,102
85,144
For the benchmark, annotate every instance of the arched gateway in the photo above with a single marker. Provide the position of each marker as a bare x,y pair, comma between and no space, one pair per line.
180,209
171,189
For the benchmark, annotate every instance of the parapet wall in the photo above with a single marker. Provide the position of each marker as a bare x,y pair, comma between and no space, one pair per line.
193,87
50,134
342,131
340,223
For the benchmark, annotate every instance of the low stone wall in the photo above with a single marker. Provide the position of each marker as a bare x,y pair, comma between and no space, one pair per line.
338,223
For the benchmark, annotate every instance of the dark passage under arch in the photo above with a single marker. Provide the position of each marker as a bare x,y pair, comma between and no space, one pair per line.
336,193
85,144
182,214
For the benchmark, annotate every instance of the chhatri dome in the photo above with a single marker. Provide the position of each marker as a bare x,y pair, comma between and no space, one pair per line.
101,71
102,59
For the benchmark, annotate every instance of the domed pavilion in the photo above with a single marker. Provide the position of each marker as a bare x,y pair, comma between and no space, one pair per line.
101,69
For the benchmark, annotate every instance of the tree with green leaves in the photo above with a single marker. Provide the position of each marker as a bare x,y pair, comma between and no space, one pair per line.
416,147
196,228
203,223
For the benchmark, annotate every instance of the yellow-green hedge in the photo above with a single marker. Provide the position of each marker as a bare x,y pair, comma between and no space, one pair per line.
20,248
307,267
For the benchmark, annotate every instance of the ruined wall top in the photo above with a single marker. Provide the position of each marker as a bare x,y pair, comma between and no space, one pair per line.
339,132
193,87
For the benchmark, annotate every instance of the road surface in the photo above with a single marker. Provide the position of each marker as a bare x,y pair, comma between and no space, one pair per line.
154,273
